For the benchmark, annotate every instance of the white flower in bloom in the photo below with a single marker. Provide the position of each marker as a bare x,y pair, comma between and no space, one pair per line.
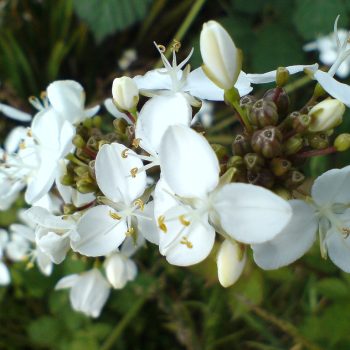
328,49
103,228
328,212
5,277
89,291
119,268
191,203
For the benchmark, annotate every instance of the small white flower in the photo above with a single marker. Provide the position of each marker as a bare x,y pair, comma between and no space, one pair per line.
191,203
125,93
89,291
328,212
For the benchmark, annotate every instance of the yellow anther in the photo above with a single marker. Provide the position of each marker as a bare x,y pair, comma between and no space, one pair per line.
161,223
346,231
114,216
136,142
140,204
29,265
43,95
161,48
184,221
130,232
133,172
32,98
29,133
22,145
186,242
125,153
175,45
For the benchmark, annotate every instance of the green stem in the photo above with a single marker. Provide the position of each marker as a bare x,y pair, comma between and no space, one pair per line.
118,330
242,115
186,24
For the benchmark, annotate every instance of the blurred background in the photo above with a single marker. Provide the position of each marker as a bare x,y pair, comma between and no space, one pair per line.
304,306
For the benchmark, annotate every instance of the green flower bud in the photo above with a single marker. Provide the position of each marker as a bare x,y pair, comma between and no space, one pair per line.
262,178
67,180
78,141
81,170
300,122
342,142
253,161
294,179
69,209
241,145
267,142
293,145
263,113
97,121
283,193
86,188
280,98
326,115
235,162
282,76
318,141
247,102
220,151
280,166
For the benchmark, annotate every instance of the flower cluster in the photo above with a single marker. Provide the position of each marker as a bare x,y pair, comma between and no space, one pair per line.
103,192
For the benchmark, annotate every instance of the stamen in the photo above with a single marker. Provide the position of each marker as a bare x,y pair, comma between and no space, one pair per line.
176,45
140,204
130,232
161,223
22,145
161,48
136,142
186,242
125,153
346,231
114,216
29,133
43,95
133,172
184,221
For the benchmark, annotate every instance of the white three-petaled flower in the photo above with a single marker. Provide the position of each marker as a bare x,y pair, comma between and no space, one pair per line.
328,212
191,203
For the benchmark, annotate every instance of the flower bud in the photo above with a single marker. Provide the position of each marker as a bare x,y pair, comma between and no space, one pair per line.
231,260
241,145
326,115
280,166
342,142
222,60
267,142
247,102
235,162
263,113
300,122
253,161
263,178
293,145
220,151
282,76
125,93
67,180
283,193
280,98
318,141
294,179
78,141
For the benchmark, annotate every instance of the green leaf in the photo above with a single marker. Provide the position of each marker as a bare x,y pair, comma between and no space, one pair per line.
105,17
333,288
45,331
316,17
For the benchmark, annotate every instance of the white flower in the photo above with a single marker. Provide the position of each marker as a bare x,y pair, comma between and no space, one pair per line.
5,277
89,291
205,115
191,203
328,49
326,115
103,228
125,93
328,212
222,60
119,268
231,260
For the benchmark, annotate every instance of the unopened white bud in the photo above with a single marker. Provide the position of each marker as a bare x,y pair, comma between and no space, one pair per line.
222,60
125,93
230,261
326,115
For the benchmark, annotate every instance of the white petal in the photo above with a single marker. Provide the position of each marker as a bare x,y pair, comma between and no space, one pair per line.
200,237
18,248
55,246
81,199
99,233
251,214
338,249
67,282
271,76
44,262
90,112
331,187
14,138
243,84
200,86
116,273
90,293
292,243
156,79
157,114
14,113
113,174
336,89
231,262
188,163
5,277
147,226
